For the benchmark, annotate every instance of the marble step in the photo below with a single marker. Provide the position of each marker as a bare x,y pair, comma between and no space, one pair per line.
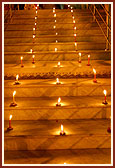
59,25
45,135
62,157
24,47
52,39
49,69
51,31
49,88
44,108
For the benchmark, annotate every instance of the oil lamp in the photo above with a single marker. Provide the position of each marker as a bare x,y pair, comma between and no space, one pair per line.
33,62
10,127
22,65
55,49
58,64
13,104
17,81
58,103
62,131
105,101
95,81
79,58
57,81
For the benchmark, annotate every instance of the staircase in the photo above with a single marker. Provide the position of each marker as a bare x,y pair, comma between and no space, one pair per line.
36,122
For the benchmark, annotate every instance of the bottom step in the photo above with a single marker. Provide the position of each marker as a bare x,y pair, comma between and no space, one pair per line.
85,156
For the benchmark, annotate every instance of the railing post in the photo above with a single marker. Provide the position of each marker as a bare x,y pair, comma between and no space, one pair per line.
94,11
108,24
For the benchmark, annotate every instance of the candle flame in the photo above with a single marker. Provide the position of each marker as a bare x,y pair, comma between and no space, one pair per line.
61,128
17,77
71,7
94,71
74,28
54,8
55,15
21,58
55,49
35,16
80,54
57,79
14,93
75,35
54,27
37,4
105,92
56,33
71,10
68,5
33,36
75,44
59,100
36,12
58,63
34,28
73,21
56,41
31,50
33,56
10,117
88,56
36,8
35,23
73,17
55,20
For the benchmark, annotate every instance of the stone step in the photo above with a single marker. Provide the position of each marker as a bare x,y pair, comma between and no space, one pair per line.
49,88
24,47
44,108
77,156
49,69
52,39
45,135
14,57
51,31
59,25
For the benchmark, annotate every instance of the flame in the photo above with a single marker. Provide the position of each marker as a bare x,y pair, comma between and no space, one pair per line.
35,24
10,117
75,44
58,63
21,58
31,50
36,8
88,56
56,33
105,92
59,100
34,28
71,10
75,35
35,16
73,17
80,54
33,36
94,71
55,20
74,28
56,41
73,21
37,4
55,15
33,56
57,79
71,7
54,27
14,93
68,6
54,8
61,128
55,49
36,12
17,77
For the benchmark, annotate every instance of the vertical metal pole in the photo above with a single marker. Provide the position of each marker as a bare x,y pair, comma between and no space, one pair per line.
108,24
10,11
18,7
94,12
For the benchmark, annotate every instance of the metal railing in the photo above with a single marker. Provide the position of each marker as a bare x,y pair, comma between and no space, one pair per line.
106,22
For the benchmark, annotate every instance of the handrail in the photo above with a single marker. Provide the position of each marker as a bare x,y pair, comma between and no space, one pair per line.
100,25
102,18
105,10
